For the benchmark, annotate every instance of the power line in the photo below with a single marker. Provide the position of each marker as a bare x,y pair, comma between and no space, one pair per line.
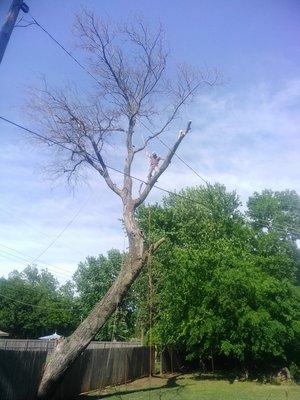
96,80
15,259
21,261
142,123
108,166
59,234
30,225
23,221
28,304
176,155
206,182
30,258
65,50
95,159
58,144
9,258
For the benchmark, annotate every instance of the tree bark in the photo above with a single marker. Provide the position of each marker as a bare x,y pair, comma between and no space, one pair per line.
67,351
128,93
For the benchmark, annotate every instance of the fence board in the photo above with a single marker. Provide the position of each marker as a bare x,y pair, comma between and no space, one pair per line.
36,344
20,371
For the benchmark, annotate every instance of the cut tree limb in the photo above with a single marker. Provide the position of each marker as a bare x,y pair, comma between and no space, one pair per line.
151,181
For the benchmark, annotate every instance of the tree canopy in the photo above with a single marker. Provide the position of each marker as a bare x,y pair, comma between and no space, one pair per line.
32,304
222,287
92,279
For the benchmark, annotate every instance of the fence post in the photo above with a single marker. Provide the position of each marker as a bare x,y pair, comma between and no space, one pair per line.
152,356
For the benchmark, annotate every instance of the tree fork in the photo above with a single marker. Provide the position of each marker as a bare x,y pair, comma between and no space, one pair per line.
129,92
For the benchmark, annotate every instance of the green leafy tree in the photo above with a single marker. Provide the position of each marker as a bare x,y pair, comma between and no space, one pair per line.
93,278
276,218
33,305
221,289
276,256
277,211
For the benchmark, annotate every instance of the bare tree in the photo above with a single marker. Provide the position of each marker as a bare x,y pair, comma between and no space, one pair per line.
134,87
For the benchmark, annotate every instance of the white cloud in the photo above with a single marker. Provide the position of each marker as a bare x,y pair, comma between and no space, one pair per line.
247,140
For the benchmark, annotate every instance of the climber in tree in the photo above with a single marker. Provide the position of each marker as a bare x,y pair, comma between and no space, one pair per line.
154,160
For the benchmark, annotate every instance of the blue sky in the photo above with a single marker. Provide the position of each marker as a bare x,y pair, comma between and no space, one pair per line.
245,133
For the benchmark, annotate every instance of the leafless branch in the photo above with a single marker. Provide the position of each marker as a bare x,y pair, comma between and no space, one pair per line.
133,84
129,65
127,80
187,85
80,130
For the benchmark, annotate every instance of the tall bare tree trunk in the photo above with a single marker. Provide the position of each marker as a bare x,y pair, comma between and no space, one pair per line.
67,351
133,86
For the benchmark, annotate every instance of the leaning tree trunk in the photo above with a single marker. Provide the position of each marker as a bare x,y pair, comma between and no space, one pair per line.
67,351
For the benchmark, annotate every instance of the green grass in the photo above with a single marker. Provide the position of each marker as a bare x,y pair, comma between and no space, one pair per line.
190,387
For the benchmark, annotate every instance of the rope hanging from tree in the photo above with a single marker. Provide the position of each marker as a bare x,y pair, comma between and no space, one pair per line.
150,288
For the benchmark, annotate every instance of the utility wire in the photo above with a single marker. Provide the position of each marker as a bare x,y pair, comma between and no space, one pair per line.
56,143
9,212
96,80
44,138
176,155
15,259
60,234
23,221
65,227
108,166
65,50
28,304
30,258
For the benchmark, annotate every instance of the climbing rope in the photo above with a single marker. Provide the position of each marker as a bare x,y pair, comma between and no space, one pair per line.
113,333
114,327
150,300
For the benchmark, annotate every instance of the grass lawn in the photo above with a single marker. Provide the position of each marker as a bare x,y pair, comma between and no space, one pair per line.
190,387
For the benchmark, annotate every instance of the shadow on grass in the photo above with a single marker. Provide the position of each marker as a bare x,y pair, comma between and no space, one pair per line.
170,384
230,377
234,376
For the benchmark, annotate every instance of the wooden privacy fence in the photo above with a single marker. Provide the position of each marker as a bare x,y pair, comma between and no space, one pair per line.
41,344
20,371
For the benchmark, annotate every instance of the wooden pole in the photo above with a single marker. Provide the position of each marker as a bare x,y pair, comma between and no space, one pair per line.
8,25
